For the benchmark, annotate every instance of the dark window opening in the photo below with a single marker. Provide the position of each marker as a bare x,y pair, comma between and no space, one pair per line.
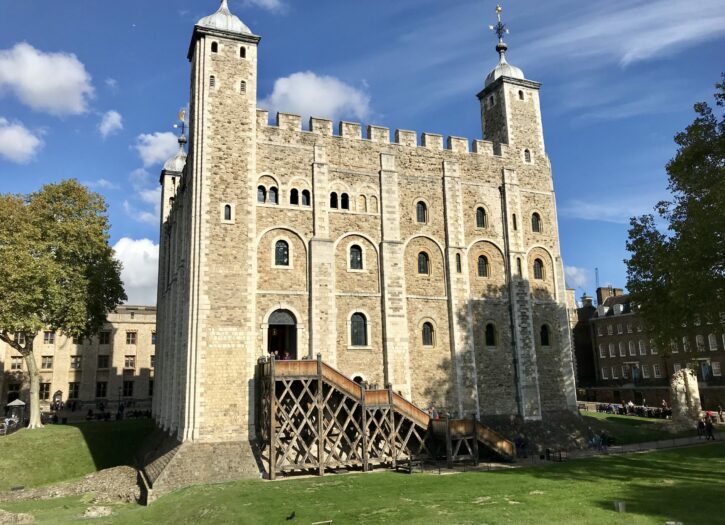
423,263
344,201
427,334
358,330
294,197
242,87
536,223
333,200
516,226
421,212
482,266
544,335
212,81
214,47
521,95
261,194
305,198
281,253
227,212
538,269
490,335
527,155
356,259
458,262
242,52
481,219
273,195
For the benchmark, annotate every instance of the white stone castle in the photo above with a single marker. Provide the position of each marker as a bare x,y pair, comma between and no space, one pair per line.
432,265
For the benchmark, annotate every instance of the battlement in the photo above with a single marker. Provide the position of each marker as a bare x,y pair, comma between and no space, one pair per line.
381,134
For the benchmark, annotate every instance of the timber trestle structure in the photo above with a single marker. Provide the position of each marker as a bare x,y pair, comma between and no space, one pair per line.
310,417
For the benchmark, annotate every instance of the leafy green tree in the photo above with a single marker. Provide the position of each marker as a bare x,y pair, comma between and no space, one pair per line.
57,270
677,276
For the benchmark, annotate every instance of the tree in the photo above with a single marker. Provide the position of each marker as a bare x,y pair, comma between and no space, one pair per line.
57,270
677,278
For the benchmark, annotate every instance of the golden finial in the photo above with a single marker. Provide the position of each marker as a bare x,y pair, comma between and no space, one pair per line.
498,12
500,28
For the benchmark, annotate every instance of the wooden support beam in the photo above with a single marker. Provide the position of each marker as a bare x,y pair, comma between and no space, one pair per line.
449,444
364,427
272,417
475,439
320,410
391,434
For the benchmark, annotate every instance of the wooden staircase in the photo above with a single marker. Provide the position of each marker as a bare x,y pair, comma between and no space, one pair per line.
311,417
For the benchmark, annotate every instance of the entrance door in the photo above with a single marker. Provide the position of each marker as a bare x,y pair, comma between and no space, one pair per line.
282,334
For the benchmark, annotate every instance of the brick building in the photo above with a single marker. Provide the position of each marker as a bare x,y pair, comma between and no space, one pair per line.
432,265
116,365
626,363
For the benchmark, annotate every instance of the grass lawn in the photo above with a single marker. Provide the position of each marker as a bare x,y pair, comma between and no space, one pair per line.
60,452
632,429
681,484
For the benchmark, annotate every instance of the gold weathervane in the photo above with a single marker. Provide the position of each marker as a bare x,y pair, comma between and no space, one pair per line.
500,28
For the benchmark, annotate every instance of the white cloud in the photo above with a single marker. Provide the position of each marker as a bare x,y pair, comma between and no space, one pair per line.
617,211
111,83
148,193
111,123
154,148
103,184
576,277
57,83
308,94
269,5
18,143
140,259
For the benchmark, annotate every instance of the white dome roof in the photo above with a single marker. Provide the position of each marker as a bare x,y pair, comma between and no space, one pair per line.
178,161
503,69
224,20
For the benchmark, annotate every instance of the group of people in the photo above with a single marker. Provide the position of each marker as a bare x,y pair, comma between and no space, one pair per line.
600,441
629,408
706,426
280,356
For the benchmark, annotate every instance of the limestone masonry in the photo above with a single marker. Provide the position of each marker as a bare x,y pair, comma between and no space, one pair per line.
433,265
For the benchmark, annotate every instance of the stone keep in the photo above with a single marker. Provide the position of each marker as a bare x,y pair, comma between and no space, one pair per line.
500,344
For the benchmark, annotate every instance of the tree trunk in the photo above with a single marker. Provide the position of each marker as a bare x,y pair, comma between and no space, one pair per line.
34,417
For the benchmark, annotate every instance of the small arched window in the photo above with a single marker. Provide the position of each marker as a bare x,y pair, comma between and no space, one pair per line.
490,335
333,200
281,253
482,266
423,263
261,194
242,87
212,81
374,204
305,198
227,212
536,223
344,201
491,101
516,226
356,258
294,196
527,155
481,218
545,335
421,212
358,330
458,262
427,334
242,52
521,95
538,269
214,47
362,203
273,195
518,266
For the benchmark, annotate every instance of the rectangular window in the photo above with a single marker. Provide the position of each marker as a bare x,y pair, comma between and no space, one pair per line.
652,347
16,363
645,371
13,391
642,348
700,342
599,330
604,373
602,353
610,329
629,328
20,338
632,349
131,338
611,350
712,340
619,329
130,362
75,362
615,373
657,372
77,340
48,337
622,350
103,361
716,368
128,389
677,367
153,361
685,344
153,338
44,391
639,327
73,390
673,347
151,388
101,389
625,372
104,338
46,362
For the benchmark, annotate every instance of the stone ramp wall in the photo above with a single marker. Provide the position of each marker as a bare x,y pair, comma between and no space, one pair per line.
556,430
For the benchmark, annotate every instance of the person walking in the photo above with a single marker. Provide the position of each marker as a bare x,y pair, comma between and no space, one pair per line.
719,413
709,427
701,428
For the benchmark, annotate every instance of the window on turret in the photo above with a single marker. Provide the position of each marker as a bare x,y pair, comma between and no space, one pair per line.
545,336
261,194
242,87
481,218
344,201
428,334
490,335
242,52
518,266
421,212
305,198
333,200
536,223
214,47
423,264
538,269
273,195
491,101
458,262
521,95
294,197
212,81
516,226
527,156
227,212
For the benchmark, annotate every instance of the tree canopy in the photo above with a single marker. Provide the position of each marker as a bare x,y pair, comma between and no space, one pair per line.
57,269
676,274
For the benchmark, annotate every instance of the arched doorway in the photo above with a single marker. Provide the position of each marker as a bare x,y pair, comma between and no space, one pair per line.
282,334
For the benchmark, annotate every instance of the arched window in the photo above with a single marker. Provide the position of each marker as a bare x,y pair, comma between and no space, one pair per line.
521,95
458,262
642,347
261,194
273,195
536,223
527,155
490,335
281,253
481,219
374,204
344,201
482,266
423,263
305,198
242,52
491,101
545,336
516,226
632,348
712,341
227,212
333,200
362,203
421,212
294,196
212,81
358,330
242,87
538,269
356,258
427,334
214,47
518,266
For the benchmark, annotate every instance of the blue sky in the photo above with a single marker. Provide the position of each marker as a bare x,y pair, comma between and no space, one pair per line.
91,89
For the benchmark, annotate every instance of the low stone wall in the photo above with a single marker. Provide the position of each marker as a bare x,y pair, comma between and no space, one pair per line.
557,430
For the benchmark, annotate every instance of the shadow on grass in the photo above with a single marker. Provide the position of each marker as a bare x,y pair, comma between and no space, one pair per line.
115,443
